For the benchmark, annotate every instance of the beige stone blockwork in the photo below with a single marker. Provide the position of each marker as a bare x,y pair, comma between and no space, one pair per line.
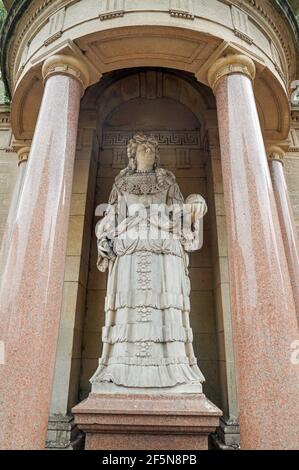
229,400
221,290
68,359
219,204
8,174
201,317
91,344
211,386
217,176
291,169
202,258
76,269
192,185
205,346
88,367
81,176
222,235
201,279
95,314
78,204
223,307
221,274
73,384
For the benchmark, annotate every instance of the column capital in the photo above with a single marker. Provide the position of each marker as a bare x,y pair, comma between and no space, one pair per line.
234,63
60,64
22,149
23,154
274,152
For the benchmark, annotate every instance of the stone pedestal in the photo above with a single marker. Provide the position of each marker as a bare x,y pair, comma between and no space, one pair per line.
146,422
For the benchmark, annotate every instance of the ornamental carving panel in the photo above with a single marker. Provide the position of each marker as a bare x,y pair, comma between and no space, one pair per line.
111,9
241,24
181,9
56,22
184,138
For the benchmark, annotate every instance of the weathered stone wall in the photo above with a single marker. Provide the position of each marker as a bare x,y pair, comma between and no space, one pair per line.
291,164
8,165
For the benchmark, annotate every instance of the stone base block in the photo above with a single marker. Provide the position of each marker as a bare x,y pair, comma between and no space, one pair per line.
229,433
63,433
146,422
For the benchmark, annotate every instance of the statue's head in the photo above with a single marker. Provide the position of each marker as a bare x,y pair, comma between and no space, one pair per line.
143,152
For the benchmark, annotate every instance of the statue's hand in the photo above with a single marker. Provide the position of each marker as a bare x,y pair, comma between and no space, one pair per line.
102,264
198,206
105,253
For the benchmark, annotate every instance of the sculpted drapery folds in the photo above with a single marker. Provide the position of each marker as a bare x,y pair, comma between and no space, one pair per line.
143,240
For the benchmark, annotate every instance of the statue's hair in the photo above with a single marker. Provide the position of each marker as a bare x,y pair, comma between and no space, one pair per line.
141,138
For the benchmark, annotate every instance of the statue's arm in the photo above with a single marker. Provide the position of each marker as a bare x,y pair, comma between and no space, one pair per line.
186,216
174,196
194,210
105,230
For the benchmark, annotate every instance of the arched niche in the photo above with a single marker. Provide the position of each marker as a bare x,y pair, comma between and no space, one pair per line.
174,107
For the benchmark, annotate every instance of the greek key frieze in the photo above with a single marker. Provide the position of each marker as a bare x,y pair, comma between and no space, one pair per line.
121,138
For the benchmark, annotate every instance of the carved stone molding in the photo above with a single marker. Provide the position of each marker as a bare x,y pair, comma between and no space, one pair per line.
5,122
119,158
265,11
236,63
66,65
185,138
26,19
295,117
112,9
183,160
241,24
23,155
84,138
56,22
22,149
181,9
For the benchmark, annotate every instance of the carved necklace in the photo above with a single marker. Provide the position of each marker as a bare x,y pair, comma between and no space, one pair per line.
141,182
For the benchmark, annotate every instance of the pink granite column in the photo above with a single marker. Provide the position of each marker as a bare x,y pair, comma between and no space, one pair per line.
263,311
286,218
33,271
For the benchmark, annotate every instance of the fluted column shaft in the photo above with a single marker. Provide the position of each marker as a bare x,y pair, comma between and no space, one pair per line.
263,311
33,271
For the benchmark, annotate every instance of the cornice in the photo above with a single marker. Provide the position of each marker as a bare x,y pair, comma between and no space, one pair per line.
277,22
284,7
20,7
15,13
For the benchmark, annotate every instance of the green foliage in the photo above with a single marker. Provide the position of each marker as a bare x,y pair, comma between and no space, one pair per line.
3,96
3,13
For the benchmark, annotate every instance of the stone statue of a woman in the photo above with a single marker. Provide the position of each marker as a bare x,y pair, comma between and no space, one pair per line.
143,240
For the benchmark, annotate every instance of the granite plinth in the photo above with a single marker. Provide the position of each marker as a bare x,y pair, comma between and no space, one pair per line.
146,422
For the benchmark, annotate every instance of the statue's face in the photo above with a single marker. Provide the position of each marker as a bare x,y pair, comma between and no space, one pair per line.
145,157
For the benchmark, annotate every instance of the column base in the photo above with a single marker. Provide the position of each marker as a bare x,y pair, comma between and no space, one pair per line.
146,422
227,436
63,434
